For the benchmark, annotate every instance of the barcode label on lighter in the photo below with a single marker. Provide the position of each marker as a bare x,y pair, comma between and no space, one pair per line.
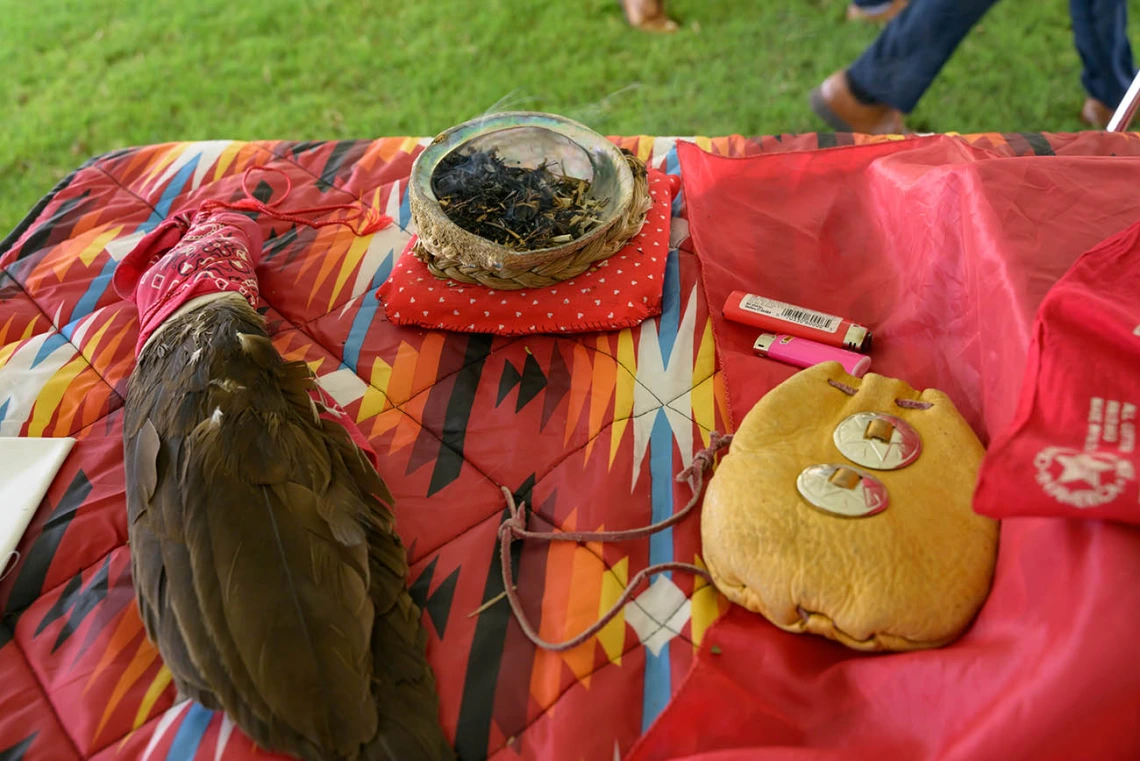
788,312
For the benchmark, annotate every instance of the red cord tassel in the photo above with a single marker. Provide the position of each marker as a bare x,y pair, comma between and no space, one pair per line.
362,220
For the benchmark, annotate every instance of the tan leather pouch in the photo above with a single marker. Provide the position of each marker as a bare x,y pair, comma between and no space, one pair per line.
784,543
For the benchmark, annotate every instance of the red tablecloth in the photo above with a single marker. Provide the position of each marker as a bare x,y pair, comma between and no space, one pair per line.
588,429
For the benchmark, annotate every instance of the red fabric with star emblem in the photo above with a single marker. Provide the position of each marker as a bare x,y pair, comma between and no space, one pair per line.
1071,451
622,291
186,257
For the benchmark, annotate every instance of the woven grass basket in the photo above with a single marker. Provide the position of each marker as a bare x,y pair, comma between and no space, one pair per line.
525,138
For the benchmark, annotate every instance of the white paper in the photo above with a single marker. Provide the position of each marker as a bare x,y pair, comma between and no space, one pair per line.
27,467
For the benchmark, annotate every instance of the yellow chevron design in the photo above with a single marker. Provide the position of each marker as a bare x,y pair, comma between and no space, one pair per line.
612,635
375,397
144,657
623,393
229,153
168,157
409,144
644,147
51,395
334,242
355,253
705,606
6,352
96,246
161,680
702,396
603,382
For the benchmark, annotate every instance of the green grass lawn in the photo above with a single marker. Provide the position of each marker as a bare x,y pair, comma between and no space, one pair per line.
80,77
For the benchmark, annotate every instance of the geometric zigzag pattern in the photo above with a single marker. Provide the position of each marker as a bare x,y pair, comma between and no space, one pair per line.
588,430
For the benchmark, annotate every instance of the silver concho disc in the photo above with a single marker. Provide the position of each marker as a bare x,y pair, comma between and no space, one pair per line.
878,441
842,490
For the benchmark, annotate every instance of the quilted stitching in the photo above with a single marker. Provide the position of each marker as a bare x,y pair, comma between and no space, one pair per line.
588,429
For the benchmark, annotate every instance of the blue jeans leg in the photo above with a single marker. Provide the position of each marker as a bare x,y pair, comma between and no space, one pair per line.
1100,30
910,51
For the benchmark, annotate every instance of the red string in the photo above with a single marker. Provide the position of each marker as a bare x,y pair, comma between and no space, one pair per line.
367,220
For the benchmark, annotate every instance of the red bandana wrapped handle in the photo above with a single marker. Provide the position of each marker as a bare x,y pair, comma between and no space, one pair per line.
213,250
186,257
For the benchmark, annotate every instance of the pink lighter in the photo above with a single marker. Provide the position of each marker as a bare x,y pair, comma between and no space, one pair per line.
801,352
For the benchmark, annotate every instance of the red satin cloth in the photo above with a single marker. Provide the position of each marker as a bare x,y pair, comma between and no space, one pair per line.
946,252
1072,449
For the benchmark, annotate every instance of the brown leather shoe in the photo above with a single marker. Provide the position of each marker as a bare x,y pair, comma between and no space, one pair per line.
855,13
648,15
1096,113
834,102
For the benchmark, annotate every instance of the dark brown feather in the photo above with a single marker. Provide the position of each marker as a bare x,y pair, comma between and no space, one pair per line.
266,563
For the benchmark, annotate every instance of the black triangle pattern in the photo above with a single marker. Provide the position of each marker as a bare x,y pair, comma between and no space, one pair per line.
338,158
54,224
558,385
449,462
30,583
16,752
476,710
533,381
437,605
509,379
263,192
419,588
299,148
76,603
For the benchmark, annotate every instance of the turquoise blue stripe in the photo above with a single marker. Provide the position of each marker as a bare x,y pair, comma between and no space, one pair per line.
50,344
363,319
673,166
173,189
670,307
661,479
4,409
405,209
95,291
657,691
189,737
657,672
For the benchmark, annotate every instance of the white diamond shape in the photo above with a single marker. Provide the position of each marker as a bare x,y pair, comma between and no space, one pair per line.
663,601
344,386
